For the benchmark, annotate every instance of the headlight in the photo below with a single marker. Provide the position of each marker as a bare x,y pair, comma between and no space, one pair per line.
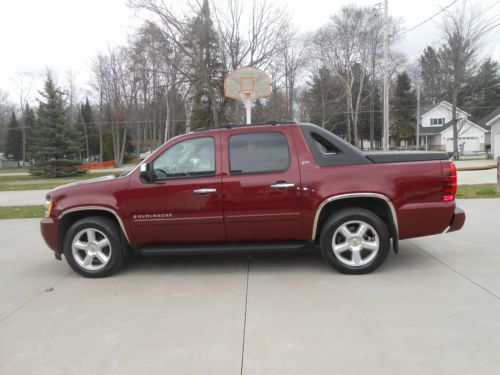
48,207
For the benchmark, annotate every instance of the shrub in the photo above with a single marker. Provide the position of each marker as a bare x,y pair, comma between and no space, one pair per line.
57,168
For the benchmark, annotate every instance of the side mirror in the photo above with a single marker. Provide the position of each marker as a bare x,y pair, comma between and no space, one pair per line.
146,172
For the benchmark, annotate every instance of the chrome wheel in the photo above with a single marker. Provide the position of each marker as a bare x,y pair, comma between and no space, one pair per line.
355,243
91,249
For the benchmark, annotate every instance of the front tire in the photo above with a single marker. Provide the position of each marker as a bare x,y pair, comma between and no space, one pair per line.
355,241
92,247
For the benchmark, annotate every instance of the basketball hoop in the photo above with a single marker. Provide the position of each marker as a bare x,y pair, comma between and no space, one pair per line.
247,84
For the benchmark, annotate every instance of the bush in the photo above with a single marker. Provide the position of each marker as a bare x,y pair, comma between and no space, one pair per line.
57,168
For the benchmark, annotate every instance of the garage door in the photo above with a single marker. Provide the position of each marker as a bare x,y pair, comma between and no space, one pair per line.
497,144
470,144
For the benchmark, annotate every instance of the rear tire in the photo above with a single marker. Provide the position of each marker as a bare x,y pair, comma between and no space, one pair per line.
355,241
93,247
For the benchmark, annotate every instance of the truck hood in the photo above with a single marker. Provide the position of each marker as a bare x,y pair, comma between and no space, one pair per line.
97,180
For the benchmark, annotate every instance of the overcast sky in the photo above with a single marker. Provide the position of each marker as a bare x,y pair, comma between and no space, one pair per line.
66,34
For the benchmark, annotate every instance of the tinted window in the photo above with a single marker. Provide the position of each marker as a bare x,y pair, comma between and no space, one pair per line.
324,145
258,152
190,158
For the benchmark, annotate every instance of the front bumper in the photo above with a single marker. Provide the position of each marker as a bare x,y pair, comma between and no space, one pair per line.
48,227
458,220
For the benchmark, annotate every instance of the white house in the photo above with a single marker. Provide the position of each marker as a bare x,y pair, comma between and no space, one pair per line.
492,121
436,130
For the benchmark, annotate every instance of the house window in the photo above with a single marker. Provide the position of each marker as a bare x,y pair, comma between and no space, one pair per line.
437,121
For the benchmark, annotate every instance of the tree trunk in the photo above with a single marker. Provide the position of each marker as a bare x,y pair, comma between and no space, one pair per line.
455,125
116,142
349,118
169,116
323,104
86,136
119,162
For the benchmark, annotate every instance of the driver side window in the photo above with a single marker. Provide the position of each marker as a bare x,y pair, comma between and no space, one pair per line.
191,158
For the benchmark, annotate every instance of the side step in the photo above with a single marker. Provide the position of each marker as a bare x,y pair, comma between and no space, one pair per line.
248,247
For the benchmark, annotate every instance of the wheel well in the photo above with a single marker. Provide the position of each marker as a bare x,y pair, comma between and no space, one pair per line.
70,218
376,205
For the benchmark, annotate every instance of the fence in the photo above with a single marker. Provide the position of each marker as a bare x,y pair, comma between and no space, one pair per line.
97,165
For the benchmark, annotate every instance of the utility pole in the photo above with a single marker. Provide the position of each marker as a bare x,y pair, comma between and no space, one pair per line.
385,144
418,115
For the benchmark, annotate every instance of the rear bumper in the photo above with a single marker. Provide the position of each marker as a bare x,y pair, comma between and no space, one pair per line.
48,227
458,220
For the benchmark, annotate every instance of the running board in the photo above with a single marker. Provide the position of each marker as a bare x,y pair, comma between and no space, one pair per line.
249,247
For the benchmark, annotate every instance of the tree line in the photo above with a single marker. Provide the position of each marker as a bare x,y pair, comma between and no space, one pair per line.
169,78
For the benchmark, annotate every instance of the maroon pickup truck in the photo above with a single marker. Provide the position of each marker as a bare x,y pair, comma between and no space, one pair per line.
252,188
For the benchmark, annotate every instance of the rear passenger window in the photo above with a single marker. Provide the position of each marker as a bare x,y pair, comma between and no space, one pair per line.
258,153
325,146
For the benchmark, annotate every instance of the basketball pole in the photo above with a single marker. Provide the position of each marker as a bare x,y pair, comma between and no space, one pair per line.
248,107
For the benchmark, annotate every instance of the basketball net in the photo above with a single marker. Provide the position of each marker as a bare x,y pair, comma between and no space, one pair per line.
248,98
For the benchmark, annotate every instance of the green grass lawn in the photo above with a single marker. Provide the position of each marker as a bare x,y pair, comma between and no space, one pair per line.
18,212
477,191
11,183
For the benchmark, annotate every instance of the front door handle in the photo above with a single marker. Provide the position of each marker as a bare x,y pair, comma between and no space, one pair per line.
283,185
205,190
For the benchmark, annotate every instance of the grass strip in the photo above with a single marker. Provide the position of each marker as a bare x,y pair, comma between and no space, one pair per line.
21,212
477,191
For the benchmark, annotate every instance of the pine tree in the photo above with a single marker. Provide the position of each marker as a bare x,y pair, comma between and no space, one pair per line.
14,143
486,87
54,138
89,140
29,125
403,104
208,75
323,106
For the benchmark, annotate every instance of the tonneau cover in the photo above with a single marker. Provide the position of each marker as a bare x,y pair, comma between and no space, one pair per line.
405,156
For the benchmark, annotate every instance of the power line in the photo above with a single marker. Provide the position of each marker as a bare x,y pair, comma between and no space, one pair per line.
429,19
487,30
487,9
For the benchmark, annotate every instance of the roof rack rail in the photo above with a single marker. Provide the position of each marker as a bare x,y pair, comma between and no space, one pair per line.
231,125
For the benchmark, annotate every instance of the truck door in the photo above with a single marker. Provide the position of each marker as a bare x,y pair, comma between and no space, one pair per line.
184,202
261,185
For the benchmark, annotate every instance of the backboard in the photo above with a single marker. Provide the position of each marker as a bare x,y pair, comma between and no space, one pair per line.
247,83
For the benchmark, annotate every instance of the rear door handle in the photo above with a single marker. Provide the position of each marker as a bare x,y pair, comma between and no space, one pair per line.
283,185
205,190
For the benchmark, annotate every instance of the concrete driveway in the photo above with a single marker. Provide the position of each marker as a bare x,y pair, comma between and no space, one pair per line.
432,309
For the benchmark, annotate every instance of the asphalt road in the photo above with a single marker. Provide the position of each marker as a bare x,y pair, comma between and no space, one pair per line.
22,197
487,176
432,309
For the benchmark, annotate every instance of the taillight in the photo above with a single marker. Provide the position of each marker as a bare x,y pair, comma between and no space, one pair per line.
449,173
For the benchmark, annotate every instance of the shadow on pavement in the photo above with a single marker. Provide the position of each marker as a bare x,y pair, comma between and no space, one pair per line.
408,257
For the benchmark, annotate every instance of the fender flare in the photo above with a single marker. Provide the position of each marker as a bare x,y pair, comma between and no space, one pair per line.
360,195
98,208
